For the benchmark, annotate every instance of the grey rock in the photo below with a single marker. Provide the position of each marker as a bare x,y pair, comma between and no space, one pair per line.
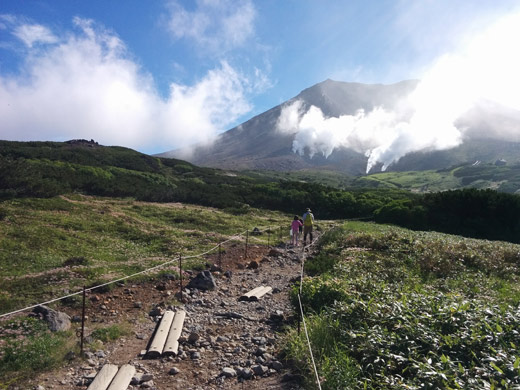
56,320
228,372
193,337
245,373
203,281
259,340
174,371
276,365
259,369
147,385
101,354
195,356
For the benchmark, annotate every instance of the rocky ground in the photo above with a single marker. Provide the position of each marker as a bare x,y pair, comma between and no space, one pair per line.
225,344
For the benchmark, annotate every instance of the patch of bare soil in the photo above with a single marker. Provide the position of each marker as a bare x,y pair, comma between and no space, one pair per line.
225,344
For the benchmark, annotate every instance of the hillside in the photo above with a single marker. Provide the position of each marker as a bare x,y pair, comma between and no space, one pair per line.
47,170
492,134
256,144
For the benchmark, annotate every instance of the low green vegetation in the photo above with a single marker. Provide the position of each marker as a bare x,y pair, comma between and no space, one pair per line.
388,308
111,333
27,346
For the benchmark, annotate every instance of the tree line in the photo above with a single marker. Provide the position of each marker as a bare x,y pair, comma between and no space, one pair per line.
49,169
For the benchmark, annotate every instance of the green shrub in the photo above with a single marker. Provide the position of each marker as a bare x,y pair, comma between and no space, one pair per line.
37,350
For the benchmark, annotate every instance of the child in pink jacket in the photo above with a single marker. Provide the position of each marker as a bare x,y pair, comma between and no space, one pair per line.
295,226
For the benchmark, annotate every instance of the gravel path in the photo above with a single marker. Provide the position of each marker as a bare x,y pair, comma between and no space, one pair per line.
225,344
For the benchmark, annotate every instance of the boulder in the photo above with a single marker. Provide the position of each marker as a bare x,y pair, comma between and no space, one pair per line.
203,281
56,320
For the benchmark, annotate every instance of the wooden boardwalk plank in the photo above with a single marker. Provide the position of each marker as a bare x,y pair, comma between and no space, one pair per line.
255,294
122,378
171,346
157,344
104,377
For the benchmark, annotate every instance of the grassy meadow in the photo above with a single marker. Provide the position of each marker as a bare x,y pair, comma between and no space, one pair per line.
388,308
52,247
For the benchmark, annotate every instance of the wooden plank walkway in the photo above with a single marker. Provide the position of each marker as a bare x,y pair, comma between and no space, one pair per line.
256,293
166,338
111,377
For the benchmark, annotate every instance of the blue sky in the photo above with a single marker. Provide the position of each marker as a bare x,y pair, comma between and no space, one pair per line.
157,75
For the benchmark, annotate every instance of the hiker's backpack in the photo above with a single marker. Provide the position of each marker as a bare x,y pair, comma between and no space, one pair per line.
307,221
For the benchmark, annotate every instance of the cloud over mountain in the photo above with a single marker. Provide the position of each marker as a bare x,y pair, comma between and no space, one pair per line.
84,83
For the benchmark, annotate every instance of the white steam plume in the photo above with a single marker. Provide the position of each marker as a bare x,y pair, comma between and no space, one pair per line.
487,68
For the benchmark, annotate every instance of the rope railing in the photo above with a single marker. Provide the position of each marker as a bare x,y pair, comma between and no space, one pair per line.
235,236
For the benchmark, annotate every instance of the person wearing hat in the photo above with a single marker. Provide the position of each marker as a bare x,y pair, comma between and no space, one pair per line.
308,221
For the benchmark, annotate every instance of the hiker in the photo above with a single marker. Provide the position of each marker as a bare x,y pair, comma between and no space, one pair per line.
308,221
295,226
300,230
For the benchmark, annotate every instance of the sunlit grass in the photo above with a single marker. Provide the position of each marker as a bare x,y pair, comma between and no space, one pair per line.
115,237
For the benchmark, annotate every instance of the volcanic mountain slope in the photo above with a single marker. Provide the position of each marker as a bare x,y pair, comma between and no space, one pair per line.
258,144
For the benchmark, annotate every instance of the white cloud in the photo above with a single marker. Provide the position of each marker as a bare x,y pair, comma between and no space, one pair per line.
34,33
86,86
215,25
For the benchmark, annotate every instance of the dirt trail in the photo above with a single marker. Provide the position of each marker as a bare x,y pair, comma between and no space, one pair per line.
222,336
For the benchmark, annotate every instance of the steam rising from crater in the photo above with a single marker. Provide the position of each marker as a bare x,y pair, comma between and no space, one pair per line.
427,119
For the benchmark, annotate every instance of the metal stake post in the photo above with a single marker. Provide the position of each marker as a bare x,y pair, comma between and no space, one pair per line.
247,240
220,256
180,277
82,323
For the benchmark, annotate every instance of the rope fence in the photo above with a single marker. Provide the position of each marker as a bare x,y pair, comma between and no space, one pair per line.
233,237
272,231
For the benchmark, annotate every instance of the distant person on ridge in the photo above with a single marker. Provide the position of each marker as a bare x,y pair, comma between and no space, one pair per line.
308,221
295,226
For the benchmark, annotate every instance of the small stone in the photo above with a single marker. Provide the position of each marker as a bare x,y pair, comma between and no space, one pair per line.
228,372
259,340
276,365
138,305
101,354
253,264
195,356
259,369
193,337
245,373
277,316
222,339
147,385
174,371
156,311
